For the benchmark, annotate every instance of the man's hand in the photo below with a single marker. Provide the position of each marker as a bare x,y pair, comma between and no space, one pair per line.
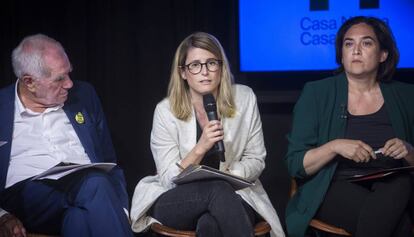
10,226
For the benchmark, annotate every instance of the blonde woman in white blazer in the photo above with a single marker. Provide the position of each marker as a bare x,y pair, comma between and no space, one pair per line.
212,208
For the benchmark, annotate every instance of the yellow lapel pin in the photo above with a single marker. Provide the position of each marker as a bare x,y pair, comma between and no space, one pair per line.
79,118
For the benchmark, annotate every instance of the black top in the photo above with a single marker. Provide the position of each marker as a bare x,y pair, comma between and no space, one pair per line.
210,158
374,129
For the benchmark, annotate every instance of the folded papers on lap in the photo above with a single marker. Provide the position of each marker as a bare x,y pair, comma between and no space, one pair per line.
201,172
380,173
64,169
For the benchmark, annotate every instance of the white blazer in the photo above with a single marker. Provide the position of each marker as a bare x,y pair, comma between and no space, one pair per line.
172,139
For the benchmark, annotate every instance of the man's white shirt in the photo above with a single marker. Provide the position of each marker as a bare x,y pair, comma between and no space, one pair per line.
41,141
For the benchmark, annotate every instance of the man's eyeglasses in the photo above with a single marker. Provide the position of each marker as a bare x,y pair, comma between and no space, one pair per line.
212,65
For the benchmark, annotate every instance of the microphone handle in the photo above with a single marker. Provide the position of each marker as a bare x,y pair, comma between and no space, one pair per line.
219,146
211,115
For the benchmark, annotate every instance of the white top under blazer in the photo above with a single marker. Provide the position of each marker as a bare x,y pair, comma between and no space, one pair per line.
172,139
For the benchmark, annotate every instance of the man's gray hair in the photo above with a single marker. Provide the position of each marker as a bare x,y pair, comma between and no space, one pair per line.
27,57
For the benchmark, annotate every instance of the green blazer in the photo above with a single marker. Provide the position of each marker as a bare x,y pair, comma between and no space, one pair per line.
317,119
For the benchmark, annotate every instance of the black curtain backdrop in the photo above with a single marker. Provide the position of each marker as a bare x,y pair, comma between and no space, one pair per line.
125,49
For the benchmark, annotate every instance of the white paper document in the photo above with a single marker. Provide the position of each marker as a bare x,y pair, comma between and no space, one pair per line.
200,172
60,171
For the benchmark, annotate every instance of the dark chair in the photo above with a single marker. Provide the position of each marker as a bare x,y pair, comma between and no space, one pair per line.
317,225
260,229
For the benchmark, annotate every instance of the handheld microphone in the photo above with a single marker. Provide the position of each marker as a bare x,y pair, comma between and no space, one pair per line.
211,110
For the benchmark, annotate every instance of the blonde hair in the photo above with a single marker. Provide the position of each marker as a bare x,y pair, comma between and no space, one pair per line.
178,88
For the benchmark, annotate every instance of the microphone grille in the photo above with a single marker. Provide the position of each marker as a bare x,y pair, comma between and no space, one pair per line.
209,102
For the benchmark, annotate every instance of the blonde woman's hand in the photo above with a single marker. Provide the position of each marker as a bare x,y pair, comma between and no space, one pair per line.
212,133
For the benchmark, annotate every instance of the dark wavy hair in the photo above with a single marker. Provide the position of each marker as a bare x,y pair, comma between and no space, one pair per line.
386,41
